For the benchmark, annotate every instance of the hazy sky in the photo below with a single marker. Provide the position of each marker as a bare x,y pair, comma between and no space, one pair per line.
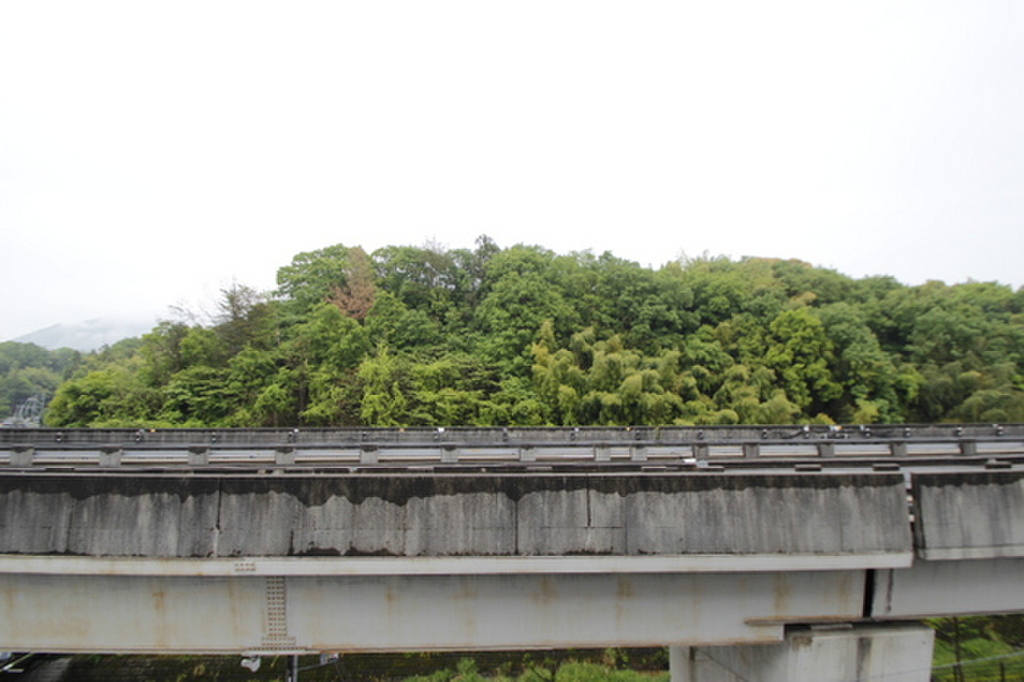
152,153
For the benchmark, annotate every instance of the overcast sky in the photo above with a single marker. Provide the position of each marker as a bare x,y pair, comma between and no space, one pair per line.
152,153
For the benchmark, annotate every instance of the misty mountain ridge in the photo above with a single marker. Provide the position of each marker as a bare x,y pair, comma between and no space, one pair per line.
88,335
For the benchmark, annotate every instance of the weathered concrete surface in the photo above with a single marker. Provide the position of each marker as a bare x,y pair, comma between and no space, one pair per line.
940,588
160,614
97,516
895,653
978,515
454,515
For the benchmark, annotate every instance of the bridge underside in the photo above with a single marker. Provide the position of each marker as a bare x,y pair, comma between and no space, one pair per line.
131,607
282,614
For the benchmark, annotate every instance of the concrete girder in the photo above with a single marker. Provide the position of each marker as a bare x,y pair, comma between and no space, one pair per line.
288,614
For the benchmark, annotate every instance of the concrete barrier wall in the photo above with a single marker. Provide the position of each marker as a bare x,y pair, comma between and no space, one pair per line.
454,515
978,515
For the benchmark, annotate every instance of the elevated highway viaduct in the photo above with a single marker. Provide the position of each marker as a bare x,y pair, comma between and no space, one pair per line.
768,553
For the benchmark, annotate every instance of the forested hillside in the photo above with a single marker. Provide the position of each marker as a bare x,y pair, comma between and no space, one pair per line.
523,336
27,371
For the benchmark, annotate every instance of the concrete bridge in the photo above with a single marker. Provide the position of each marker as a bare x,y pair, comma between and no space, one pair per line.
774,553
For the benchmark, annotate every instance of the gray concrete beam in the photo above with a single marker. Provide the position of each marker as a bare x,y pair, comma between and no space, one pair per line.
941,588
286,614
860,516
972,515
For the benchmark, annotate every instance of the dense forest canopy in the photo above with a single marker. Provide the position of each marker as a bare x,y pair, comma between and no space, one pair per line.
408,336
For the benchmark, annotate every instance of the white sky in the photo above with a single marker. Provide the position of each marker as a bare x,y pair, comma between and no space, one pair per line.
152,153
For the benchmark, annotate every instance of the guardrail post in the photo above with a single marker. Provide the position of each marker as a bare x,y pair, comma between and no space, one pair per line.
638,453
22,457
826,448
700,450
110,457
198,456
898,448
284,456
526,454
751,450
602,453
449,454
369,454
968,447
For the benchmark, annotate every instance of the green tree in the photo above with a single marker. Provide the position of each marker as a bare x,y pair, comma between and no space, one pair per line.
109,397
312,276
384,381
519,300
245,318
324,353
425,279
866,372
800,352
198,396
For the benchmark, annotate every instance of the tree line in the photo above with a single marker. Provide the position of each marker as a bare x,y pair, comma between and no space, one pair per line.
29,371
518,336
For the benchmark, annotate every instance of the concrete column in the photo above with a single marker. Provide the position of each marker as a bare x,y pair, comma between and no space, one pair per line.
284,456
899,652
681,664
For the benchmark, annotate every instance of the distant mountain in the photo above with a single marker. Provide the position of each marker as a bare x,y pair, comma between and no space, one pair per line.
88,335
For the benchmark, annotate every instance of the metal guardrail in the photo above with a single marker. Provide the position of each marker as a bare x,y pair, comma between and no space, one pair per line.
509,435
21,448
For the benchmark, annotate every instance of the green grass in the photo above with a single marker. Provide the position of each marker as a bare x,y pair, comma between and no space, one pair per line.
990,649
567,671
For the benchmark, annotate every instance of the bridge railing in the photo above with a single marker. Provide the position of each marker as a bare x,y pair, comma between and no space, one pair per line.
510,435
467,445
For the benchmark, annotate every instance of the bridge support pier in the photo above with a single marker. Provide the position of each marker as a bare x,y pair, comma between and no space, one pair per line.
899,652
682,662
